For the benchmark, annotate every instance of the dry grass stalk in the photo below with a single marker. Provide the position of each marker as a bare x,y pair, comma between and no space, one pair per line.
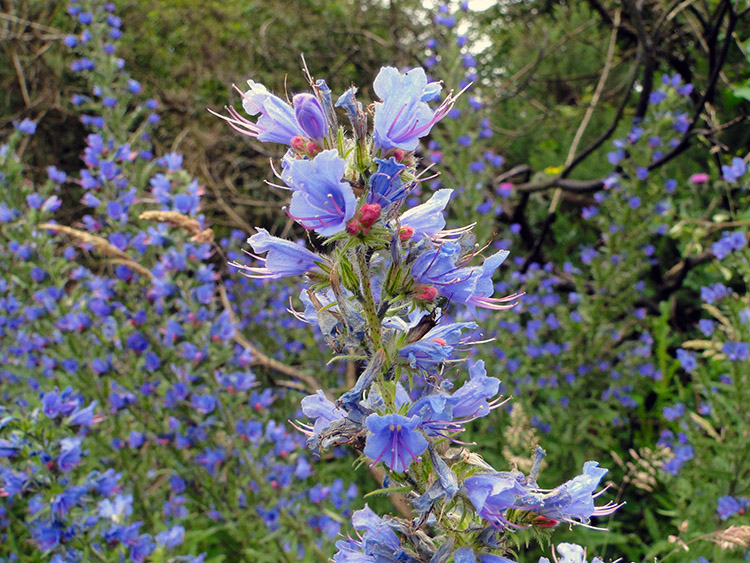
134,266
181,221
643,469
732,538
101,245
520,438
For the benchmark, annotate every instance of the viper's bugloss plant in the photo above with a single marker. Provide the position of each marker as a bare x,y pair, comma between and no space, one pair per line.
379,296
146,388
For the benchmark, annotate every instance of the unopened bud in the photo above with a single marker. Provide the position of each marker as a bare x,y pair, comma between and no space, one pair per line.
399,155
299,144
425,292
369,214
310,115
542,522
313,148
405,233
352,227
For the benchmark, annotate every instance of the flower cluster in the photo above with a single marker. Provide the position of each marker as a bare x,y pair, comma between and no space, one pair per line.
131,403
380,296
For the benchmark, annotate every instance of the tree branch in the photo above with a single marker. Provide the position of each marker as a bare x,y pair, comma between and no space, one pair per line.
311,384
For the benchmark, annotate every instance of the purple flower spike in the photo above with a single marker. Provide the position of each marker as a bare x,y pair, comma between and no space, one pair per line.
395,440
284,257
322,200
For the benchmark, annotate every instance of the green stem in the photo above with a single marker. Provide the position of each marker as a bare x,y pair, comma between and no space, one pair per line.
371,314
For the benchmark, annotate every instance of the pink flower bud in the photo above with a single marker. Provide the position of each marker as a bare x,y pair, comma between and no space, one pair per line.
299,144
369,214
700,178
425,292
406,233
352,227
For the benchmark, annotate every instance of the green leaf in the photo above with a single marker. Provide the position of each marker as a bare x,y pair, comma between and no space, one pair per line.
742,92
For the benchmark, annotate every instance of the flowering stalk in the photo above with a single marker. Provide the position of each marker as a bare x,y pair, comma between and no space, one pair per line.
371,315
387,307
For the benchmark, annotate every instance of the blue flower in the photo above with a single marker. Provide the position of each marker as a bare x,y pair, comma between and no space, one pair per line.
321,409
210,459
427,219
386,186
736,351
470,286
729,242
436,346
70,454
435,414
353,109
56,175
673,412
82,417
395,440
727,506
687,360
573,501
379,544
277,123
472,397
310,116
284,257
172,537
493,493
466,555
322,200
735,170
403,117
46,534
26,126
204,404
